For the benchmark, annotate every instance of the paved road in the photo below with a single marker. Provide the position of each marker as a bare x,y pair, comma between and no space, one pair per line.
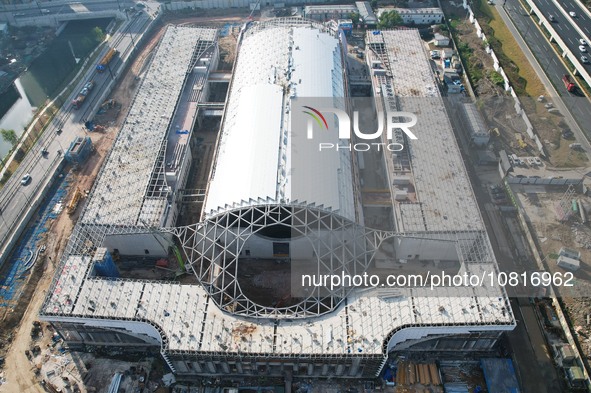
554,69
582,19
535,368
15,198
563,26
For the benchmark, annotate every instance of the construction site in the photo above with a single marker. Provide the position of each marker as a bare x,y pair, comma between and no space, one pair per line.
173,246
186,241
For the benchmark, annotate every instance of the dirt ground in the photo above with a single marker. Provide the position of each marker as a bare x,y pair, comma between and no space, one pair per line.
552,235
547,122
466,33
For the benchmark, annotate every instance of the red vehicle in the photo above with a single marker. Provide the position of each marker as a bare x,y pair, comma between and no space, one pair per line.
81,97
570,86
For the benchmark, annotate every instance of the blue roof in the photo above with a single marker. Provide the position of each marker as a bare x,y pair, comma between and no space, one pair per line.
499,375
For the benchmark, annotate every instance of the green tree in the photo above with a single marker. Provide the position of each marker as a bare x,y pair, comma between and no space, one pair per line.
97,34
354,16
9,136
374,4
496,78
389,19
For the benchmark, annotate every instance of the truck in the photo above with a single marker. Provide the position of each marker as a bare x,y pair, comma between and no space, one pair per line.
81,97
102,65
570,86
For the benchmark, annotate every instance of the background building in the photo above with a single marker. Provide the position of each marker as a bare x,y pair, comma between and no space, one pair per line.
417,16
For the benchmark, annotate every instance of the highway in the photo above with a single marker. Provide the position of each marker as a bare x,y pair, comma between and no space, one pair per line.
565,28
15,198
582,19
579,107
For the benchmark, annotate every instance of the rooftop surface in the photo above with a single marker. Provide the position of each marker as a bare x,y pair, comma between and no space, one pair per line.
444,200
183,314
122,194
256,158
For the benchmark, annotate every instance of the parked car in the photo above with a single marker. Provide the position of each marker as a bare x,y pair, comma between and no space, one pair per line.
584,60
538,161
572,14
551,18
583,41
567,134
583,48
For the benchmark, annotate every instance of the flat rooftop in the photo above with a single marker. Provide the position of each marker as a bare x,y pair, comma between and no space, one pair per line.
443,197
184,316
124,194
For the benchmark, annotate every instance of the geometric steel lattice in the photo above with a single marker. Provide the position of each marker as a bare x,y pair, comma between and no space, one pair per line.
214,247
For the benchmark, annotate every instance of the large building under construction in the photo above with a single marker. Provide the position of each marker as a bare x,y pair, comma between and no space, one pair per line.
270,208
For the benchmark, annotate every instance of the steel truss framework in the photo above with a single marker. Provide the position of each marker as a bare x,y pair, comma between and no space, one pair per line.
214,246
289,21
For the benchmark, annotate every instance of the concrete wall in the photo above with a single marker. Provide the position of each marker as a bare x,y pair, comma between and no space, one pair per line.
137,244
70,329
418,333
346,366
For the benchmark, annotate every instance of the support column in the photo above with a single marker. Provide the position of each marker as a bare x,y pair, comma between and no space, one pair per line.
354,367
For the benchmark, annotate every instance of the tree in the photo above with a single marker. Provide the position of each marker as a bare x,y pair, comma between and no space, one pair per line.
374,4
389,19
97,34
9,136
354,16
496,78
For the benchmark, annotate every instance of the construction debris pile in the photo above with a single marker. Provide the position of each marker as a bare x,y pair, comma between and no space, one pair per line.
582,236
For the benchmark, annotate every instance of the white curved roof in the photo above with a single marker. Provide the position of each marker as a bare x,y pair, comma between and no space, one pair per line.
254,163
